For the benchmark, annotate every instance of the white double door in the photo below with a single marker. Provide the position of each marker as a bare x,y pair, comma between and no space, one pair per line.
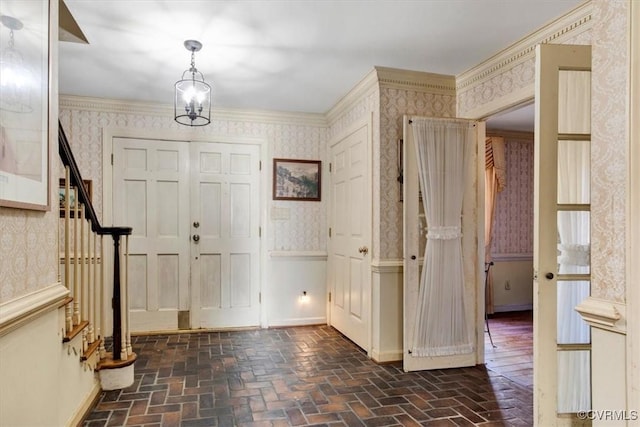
194,251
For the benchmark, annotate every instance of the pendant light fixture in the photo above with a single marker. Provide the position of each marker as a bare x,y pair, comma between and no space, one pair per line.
192,102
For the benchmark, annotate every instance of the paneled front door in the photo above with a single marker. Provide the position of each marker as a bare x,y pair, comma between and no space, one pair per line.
194,250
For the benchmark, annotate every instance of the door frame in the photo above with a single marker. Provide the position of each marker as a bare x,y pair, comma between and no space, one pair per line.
110,133
335,139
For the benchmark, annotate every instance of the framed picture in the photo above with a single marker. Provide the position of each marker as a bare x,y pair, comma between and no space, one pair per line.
71,198
24,107
297,179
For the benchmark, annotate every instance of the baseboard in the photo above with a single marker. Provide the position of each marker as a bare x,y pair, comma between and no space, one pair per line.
86,407
386,356
512,307
302,321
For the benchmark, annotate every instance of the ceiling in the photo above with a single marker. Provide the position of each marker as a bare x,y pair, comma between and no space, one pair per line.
296,55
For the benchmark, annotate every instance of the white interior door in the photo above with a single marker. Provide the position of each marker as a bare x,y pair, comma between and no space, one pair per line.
562,342
195,213
225,217
349,257
151,194
415,228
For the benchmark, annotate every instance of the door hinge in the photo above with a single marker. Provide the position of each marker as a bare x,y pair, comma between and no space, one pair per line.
259,231
111,159
330,165
259,165
329,231
260,297
329,296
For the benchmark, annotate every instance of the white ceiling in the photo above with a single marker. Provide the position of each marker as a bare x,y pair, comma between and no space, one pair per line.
297,55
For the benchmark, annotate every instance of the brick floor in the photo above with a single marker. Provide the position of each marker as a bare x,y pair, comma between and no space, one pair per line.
299,376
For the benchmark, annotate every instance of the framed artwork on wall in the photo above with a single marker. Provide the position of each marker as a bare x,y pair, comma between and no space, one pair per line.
71,197
24,104
297,179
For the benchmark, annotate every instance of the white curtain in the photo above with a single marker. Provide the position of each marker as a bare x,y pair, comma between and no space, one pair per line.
441,325
574,389
494,182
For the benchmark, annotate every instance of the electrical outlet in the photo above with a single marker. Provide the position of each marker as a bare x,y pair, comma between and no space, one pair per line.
507,285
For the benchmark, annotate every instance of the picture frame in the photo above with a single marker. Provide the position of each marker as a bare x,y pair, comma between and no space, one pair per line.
24,109
299,180
72,196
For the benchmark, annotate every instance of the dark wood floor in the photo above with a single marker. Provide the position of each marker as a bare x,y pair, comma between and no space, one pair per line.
312,376
512,355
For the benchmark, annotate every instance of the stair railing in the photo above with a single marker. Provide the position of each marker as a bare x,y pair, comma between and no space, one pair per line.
84,270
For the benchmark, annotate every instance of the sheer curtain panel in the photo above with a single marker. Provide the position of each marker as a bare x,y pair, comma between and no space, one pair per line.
441,326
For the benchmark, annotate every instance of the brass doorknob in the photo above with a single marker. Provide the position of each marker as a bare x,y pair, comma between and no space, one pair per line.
196,238
363,250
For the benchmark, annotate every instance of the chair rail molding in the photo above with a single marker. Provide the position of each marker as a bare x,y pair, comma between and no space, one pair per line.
21,310
603,314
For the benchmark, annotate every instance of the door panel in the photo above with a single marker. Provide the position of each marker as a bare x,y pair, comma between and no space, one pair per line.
152,195
350,219
414,234
225,260
561,234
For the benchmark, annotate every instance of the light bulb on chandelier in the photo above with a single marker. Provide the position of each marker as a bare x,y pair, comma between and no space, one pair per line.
192,101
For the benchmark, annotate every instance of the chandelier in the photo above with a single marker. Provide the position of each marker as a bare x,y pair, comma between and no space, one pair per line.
14,75
192,101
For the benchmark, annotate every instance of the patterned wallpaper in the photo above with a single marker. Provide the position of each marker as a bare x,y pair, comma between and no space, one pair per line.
28,250
608,37
394,103
29,239
609,118
513,217
305,228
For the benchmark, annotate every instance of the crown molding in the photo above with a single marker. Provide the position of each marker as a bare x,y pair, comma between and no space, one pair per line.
416,80
120,106
558,31
385,77
367,85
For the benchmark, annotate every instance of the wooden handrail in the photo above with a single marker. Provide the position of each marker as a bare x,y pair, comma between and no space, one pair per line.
75,180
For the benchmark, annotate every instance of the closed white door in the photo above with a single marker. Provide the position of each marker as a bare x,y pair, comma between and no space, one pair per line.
349,256
194,250
225,228
151,194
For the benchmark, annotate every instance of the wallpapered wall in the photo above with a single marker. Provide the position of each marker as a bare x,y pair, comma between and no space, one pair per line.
84,121
394,103
609,119
608,38
513,217
28,250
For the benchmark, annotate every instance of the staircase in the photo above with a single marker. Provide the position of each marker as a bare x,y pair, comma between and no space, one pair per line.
85,274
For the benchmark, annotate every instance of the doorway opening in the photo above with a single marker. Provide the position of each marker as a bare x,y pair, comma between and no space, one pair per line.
509,278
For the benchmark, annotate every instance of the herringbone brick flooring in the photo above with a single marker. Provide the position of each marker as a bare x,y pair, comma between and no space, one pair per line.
299,376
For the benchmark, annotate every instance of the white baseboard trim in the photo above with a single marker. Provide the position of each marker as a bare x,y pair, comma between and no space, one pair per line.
21,310
87,405
299,255
512,307
302,321
386,356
